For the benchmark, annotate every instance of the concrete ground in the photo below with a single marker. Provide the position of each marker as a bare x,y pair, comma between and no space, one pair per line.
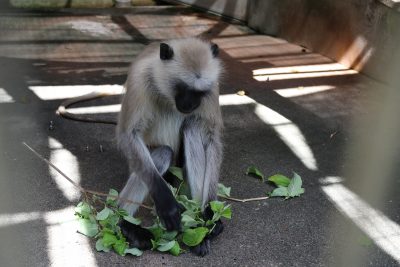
292,119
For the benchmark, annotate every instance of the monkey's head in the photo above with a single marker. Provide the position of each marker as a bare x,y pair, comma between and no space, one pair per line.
190,68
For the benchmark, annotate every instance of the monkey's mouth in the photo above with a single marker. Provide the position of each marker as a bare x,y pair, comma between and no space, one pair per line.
186,108
187,101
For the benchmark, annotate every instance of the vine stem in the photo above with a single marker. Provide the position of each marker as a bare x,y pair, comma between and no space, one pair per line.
245,199
80,188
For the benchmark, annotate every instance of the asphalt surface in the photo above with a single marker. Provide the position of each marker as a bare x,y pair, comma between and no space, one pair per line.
41,53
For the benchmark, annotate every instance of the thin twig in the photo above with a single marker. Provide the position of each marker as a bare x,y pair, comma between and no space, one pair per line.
80,188
245,199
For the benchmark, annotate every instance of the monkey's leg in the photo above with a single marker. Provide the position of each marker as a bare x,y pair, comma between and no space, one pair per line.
202,155
135,190
141,161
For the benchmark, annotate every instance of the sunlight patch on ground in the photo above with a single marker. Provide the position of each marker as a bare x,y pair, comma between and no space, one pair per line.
17,218
93,28
68,163
65,246
287,131
303,71
383,231
96,109
306,90
5,97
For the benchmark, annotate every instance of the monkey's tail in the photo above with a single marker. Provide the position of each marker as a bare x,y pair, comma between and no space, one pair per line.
63,108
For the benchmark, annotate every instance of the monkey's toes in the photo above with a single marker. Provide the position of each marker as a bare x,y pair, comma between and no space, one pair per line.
136,236
218,229
203,248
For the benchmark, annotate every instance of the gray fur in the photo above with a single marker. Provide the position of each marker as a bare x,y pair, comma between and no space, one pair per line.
149,118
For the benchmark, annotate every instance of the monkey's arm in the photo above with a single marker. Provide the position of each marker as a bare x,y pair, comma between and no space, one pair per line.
141,162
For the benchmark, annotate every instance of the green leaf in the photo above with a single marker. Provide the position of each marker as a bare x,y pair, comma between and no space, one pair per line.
223,190
92,218
177,172
84,209
294,188
209,222
122,212
111,198
189,204
169,235
156,231
220,210
109,239
111,222
88,228
120,246
193,237
132,220
100,246
254,171
188,221
176,249
154,244
134,251
279,180
227,212
184,189
165,246
279,192
102,215
216,206
112,194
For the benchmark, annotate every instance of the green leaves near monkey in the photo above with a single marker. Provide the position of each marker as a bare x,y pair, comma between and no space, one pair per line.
287,188
103,225
252,170
279,180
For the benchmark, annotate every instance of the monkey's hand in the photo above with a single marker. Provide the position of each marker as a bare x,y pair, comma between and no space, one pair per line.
168,209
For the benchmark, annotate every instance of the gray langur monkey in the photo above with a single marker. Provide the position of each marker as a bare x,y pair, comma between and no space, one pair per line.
170,114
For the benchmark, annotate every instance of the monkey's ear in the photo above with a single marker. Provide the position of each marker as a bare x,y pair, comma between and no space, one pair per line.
214,50
166,51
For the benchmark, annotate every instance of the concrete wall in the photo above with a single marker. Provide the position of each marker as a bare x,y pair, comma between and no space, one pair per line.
358,33
232,8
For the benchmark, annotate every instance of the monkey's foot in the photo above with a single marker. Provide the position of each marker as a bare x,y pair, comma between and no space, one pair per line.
203,248
218,229
136,236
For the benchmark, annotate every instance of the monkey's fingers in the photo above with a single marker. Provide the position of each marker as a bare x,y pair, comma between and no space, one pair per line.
172,220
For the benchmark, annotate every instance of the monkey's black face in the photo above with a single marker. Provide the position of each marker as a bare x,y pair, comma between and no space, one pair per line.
187,99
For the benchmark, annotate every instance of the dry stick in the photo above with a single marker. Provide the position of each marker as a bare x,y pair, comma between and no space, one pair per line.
83,190
244,200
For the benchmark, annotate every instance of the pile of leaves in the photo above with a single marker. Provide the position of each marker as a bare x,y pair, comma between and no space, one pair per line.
103,225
